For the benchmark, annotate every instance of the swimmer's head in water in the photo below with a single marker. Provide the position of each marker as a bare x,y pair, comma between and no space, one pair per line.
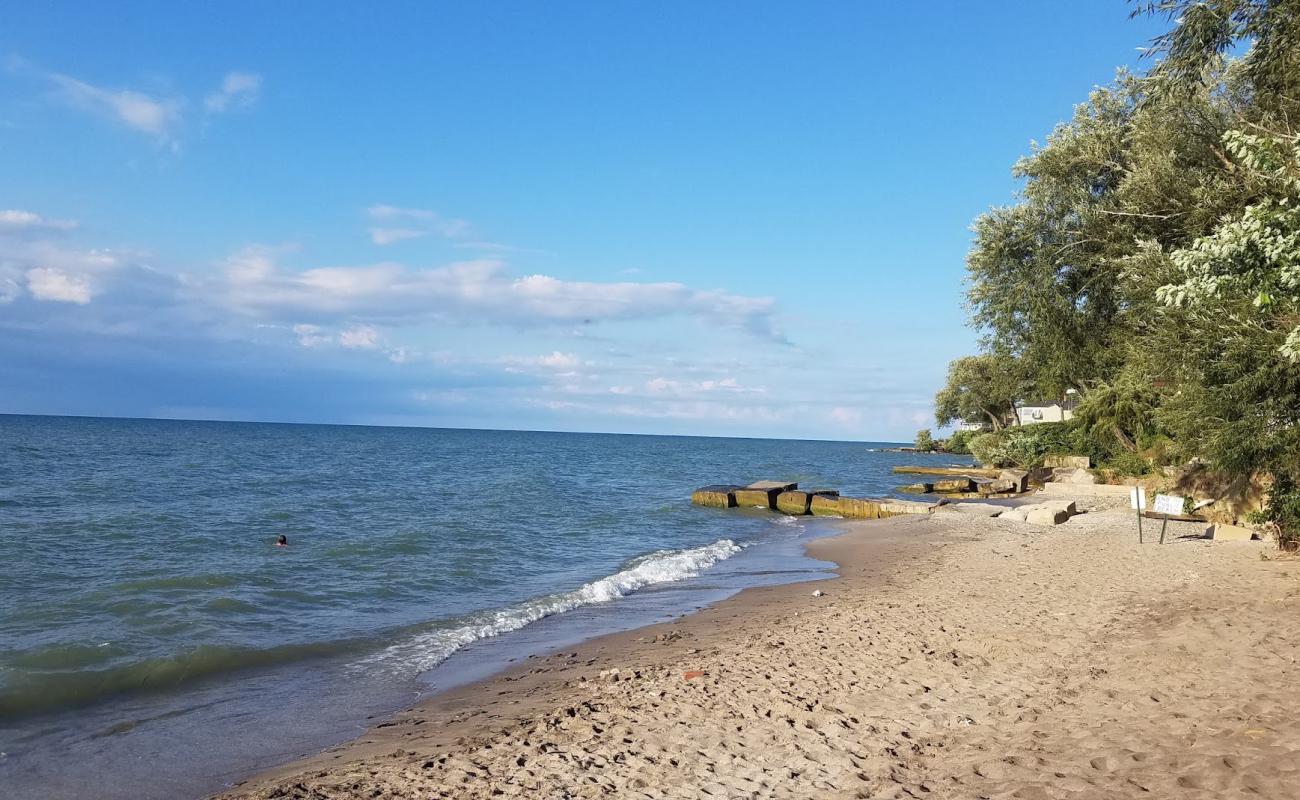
283,541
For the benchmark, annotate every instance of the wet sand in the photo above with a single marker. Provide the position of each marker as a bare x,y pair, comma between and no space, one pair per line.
955,656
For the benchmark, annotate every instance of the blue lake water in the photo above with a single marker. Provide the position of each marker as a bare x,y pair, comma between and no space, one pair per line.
155,641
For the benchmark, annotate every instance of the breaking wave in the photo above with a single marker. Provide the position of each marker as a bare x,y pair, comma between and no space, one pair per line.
427,649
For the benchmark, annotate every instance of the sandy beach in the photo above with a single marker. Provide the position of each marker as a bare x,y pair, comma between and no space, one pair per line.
955,656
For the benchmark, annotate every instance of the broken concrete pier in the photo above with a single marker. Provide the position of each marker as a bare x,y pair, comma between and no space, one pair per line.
797,503
957,472
717,496
789,499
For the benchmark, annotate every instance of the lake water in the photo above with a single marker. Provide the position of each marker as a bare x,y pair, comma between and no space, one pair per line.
154,642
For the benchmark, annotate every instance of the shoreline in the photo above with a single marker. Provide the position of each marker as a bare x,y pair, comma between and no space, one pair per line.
959,656
529,684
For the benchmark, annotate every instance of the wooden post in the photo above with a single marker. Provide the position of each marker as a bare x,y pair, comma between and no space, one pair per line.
1137,497
1163,525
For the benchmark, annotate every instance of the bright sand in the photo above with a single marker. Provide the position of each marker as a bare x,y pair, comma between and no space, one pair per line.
956,656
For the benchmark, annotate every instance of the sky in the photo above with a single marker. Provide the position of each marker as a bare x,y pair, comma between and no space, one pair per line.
720,218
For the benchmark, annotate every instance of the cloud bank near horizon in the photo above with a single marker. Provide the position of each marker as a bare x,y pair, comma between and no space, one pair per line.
451,341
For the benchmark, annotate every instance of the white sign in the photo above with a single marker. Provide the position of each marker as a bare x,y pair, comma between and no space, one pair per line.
1170,504
1137,498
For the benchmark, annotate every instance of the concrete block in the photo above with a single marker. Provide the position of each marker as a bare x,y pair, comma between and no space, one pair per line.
895,508
1046,516
958,472
996,486
1019,479
859,508
780,486
1072,475
1068,506
795,503
824,505
1087,490
1229,533
1050,512
917,488
749,497
1040,475
978,509
717,496
1077,462
962,484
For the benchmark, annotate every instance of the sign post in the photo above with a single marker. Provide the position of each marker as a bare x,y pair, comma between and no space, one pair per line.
1169,505
1137,497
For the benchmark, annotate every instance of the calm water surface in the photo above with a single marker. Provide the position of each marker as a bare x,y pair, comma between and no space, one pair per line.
153,639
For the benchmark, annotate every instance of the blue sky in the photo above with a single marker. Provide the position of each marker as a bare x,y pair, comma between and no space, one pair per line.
738,219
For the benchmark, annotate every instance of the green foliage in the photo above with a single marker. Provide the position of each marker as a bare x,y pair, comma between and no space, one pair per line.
1233,312
959,442
1152,258
989,450
1128,464
1024,446
1120,414
981,388
1283,513
1203,31
924,440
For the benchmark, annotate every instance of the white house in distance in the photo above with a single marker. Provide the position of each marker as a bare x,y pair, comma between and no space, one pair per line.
1030,413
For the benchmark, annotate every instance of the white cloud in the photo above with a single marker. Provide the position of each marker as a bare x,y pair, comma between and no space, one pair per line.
238,90
310,335
46,269
698,410
843,415
676,387
360,337
46,283
385,236
18,220
411,223
552,360
136,110
480,291
449,396
158,115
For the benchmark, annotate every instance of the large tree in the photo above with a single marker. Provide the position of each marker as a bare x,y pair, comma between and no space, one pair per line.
1234,315
981,388
1054,279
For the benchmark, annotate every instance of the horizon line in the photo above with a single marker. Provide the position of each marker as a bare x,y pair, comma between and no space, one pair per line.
443,428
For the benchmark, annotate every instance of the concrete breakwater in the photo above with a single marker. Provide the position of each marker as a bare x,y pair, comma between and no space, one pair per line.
968,482
788,498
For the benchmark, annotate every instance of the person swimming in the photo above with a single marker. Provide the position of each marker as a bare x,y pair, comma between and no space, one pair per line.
283,541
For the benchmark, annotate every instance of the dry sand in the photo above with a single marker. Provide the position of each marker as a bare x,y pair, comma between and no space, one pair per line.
956,656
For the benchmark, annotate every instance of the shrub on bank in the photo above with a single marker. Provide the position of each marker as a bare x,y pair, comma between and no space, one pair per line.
959,442
1025,445
1282,514
1128,464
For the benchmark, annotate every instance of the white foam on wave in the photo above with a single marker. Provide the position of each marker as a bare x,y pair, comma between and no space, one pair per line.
424,651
